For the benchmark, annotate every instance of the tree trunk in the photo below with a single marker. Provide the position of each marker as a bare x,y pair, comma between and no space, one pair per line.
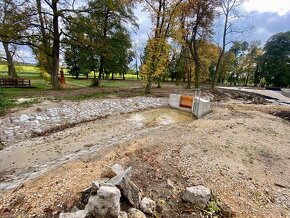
112,76
197,73
216,71
55,47
124,76
148,86
159,82
247,79
10,64
189,78
44,39
101,68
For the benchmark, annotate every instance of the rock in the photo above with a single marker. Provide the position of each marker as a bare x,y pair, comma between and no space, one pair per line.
123,215
74,209
106,203
128,188
108,172
135,213
147,205
78,214
197,195
131,192
117,168
23,117
103,180
112,171
118,178
95,187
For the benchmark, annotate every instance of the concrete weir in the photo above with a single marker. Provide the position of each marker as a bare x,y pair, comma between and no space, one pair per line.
197,105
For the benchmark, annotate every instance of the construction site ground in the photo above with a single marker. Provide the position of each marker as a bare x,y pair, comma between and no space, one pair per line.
241,150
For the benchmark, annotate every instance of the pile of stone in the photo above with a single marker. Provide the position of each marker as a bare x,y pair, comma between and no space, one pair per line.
104,197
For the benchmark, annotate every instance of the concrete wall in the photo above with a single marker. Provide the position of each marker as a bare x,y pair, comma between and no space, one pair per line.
200,106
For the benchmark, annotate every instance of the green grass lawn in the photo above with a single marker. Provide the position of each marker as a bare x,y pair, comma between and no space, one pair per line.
43,88
39,84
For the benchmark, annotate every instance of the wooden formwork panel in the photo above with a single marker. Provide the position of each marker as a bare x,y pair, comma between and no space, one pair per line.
186,101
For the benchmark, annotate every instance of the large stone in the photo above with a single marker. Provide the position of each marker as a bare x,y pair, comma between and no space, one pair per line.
123,215
128,188
135,213
117,168
147,205
118,178
106,203
197,195
112,171
131,191
78,214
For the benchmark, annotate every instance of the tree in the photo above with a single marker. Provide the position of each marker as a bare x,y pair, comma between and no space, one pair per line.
226,67
110,17
156,60
276,59
198,20
238,49
13,23
80,49
251,61
46,35
229,11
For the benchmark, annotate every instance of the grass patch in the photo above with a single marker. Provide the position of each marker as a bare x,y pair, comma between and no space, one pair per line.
87,96
5,104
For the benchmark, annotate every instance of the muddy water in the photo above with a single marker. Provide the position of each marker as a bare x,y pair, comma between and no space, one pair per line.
32,157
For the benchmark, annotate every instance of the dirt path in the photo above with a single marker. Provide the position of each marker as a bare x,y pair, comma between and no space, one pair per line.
31,157
267,93
239,150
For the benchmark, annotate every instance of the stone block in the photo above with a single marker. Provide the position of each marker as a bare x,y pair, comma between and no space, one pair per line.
199,195
147,205
78,214
106,203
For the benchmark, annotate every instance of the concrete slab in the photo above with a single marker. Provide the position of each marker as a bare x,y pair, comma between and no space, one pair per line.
199,107
174,100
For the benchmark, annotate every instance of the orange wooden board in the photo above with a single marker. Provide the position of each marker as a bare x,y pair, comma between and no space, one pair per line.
186,101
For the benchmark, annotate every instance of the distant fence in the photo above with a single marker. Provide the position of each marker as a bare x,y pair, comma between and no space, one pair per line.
14,82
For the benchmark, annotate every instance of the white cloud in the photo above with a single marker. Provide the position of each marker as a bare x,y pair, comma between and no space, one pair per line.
279,6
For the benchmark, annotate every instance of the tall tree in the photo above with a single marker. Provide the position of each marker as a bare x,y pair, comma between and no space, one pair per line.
13,23
277,60
230,14
239,49
164,14
199,16
110,17
47,35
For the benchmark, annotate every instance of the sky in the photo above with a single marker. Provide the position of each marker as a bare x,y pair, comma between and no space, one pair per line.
265,18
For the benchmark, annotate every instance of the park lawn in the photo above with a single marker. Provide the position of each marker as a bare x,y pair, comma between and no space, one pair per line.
40,84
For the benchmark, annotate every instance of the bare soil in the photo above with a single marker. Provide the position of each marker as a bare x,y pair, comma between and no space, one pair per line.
241,150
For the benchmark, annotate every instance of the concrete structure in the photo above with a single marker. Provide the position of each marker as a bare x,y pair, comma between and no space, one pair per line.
197,105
